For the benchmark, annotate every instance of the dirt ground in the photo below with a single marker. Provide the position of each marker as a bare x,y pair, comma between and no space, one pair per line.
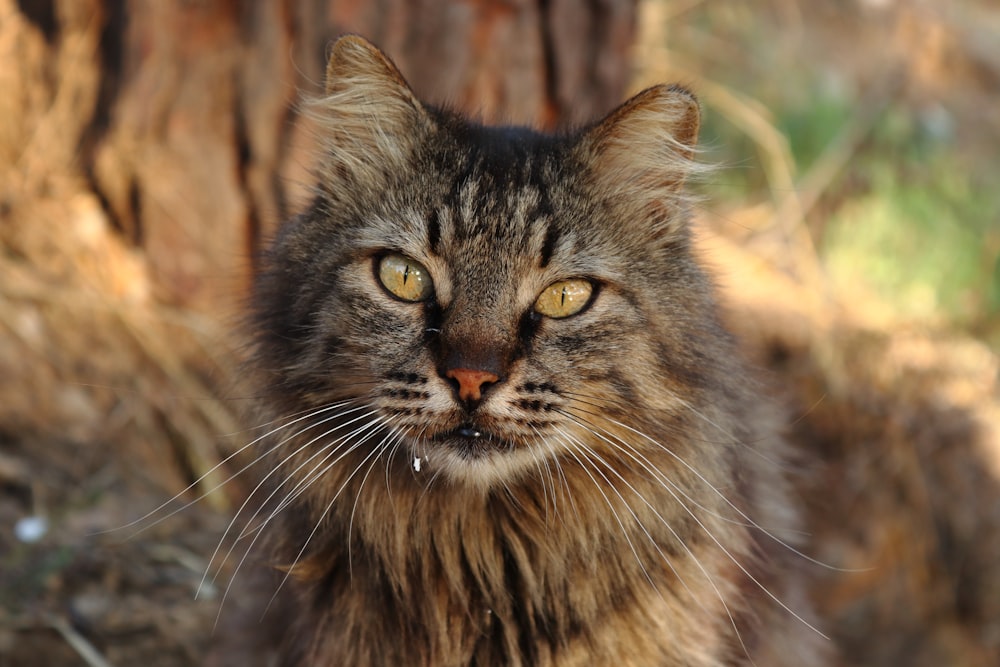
111,405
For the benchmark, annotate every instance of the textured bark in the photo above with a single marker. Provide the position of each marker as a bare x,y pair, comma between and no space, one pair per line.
182,116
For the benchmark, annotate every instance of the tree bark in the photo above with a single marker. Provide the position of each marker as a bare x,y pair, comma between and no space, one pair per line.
182,118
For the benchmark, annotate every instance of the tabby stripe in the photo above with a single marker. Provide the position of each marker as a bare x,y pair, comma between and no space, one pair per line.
549,245
433,232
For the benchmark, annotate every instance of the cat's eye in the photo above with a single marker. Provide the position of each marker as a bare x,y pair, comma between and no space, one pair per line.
564,298
405,278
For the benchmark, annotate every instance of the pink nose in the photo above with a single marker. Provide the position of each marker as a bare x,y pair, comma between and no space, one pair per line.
470,382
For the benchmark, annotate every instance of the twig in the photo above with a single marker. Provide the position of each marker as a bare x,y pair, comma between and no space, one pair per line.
838,152
78,642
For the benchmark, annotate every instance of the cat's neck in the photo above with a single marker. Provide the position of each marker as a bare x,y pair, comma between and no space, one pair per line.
514,561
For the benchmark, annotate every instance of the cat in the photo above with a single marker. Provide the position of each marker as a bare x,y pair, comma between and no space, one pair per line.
511,428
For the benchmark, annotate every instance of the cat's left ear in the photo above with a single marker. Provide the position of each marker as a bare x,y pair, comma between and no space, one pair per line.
643,151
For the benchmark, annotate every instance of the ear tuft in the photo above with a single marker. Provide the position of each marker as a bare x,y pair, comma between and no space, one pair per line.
355,59
643,151
369,120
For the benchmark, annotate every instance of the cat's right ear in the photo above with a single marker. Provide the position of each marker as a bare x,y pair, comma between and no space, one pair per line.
369,119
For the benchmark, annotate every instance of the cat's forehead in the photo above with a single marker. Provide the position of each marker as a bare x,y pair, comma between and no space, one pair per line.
503,183
501,150
477,209
514,205
486,230
500,168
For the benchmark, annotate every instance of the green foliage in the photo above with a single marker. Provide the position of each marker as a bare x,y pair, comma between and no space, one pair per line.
921,243
914,215
906,218
918,226
811,129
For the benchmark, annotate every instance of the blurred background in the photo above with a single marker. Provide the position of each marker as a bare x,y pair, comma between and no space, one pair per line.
148,150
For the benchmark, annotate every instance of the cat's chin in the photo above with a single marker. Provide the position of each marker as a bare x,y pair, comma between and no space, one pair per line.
471,442
471,456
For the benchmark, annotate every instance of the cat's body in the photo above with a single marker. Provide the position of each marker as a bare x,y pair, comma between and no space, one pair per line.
516,433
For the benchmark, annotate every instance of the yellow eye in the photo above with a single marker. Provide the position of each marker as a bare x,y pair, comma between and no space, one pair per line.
564,298
405,278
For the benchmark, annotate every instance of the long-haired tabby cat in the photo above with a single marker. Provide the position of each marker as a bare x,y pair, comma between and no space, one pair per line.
512,430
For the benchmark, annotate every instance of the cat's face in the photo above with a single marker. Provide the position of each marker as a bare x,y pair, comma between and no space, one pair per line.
484,300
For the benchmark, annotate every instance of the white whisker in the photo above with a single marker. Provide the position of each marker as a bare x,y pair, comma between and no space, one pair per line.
267,476
390,439
573,446
749,521
331,449
680,540
712,536
375,451
305,414
743,514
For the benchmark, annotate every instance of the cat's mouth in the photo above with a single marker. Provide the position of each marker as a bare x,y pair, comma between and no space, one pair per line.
472,441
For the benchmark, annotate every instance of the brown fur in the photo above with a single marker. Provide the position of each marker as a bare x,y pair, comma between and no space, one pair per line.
628,505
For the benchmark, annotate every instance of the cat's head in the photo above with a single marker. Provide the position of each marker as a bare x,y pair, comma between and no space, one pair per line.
485,298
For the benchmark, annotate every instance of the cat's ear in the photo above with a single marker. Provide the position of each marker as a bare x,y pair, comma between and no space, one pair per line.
370,121
643,151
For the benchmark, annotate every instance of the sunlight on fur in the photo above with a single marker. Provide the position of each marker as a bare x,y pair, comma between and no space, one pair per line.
501,420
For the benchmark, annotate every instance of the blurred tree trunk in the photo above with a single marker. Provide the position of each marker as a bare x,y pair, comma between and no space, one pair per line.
180,117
